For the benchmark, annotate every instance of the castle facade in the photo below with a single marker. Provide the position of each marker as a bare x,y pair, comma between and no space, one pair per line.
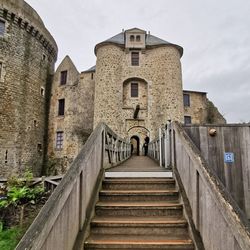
46,116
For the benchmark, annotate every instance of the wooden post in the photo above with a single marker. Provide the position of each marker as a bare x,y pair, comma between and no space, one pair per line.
160,148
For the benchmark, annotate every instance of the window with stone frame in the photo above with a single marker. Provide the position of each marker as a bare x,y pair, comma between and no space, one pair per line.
187,119
63,78
132,38
2,28
134,89
186,100
61,107
59,140
135,58
138,38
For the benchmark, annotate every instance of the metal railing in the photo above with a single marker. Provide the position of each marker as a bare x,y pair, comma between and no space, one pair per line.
67,212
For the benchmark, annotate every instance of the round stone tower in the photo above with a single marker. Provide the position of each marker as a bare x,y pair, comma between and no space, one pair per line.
138,84
27,57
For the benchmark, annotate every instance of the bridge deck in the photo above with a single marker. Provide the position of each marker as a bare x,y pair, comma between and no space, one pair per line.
138,166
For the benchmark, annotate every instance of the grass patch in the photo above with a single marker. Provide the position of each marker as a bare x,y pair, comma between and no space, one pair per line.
9,238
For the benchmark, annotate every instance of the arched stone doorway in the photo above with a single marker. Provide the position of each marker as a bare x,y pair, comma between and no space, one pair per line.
135,144
138,134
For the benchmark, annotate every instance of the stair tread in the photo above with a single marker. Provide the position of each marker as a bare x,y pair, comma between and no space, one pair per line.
140,180
138,220
139,191
137,239
138,204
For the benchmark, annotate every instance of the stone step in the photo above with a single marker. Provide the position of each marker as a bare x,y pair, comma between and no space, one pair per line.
138,183
135,242
174,227
137,173
139,208
139,195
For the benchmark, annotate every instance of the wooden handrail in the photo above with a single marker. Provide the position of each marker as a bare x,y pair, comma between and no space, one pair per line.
66,211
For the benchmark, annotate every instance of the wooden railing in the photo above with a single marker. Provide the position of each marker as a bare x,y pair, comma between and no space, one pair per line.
160,148
215,215
68,210
49,183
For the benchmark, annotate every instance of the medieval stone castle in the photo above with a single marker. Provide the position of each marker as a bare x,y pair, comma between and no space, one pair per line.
47,115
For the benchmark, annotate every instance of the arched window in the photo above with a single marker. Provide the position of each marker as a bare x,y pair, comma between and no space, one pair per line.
138,38
132,38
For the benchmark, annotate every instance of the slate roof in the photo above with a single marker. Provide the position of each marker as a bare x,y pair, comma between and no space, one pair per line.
150,41
92,69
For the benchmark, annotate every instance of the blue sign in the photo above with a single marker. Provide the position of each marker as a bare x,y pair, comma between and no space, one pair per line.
228,157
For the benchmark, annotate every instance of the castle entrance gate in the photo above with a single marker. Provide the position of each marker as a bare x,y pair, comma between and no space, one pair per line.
137,134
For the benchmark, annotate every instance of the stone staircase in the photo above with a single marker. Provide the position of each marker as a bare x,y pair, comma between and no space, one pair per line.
139,213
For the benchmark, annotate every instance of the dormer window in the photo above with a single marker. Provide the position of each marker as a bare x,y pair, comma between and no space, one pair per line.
138,38
132,38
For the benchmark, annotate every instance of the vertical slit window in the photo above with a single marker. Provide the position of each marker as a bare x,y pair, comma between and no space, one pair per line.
135,58
59,140
2,27
61,106
6,156
1,69
63,79
134,89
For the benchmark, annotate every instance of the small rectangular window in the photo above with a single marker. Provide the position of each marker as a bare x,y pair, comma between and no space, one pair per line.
63,79
135,58
186,100
61,106
59,140
187,119
2,27
42,91
39,148
134,89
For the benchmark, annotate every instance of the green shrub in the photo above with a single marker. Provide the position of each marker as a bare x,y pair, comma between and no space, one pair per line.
9,238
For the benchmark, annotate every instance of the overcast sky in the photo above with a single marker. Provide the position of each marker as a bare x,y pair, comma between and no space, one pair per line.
215,35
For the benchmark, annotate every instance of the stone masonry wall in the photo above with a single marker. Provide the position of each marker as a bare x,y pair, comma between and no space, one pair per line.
159,67
201,110
28,54
77,121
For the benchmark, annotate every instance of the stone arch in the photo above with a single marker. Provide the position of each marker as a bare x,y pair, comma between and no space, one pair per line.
141,132
129,101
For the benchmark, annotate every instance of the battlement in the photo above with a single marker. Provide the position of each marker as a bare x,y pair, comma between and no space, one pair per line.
24,16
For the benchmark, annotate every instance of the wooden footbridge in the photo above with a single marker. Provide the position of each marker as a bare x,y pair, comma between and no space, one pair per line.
109,200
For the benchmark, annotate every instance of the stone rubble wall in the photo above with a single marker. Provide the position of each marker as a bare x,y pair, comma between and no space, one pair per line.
159,67
77,122
28,54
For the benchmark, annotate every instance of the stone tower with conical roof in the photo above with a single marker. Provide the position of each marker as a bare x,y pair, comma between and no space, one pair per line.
138,83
